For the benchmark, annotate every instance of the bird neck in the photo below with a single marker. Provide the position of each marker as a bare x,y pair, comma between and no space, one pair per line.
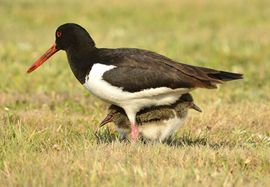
181,109
81,60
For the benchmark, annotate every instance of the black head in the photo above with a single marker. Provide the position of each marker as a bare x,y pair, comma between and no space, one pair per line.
71,35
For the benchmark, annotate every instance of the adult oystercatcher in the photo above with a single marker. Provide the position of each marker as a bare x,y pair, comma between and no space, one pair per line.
127,77
154,123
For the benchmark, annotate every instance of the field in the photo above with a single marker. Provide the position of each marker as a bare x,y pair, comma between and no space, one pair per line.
48,120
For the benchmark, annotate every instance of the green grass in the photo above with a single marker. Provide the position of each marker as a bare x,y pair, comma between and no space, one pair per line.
48,122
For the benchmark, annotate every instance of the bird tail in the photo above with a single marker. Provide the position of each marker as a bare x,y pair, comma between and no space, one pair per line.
225,76
207,77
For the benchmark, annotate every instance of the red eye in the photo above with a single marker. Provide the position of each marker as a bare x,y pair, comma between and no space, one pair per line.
58,34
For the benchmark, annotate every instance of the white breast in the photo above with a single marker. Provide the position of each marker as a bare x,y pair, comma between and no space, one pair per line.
132,102
161,131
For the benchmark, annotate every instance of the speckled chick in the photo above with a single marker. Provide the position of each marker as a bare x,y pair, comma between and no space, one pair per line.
155,123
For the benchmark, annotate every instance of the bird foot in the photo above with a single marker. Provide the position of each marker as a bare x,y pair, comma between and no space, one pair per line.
134,132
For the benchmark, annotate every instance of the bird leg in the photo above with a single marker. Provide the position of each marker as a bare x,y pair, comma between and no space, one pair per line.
134,127
134,132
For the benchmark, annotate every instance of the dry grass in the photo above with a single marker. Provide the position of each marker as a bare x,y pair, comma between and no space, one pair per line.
47,120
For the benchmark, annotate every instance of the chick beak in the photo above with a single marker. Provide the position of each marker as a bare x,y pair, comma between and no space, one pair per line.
195,107
107,119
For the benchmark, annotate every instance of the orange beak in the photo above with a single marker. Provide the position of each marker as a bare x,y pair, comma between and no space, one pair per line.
43,58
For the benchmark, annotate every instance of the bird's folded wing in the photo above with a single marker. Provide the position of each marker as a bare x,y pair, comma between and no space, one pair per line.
159,113
137,79
141,69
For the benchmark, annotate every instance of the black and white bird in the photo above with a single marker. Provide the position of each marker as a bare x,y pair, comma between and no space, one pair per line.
155,123
127,77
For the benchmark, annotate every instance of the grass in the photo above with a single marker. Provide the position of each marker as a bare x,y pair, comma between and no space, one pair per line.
48,121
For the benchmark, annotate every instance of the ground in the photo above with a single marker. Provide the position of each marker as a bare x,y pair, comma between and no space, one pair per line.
48,120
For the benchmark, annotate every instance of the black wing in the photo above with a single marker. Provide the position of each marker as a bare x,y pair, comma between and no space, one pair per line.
140,69
136,79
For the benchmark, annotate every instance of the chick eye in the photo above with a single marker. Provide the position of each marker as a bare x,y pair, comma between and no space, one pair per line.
58,34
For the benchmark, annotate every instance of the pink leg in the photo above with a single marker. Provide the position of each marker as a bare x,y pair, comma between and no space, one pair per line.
134,132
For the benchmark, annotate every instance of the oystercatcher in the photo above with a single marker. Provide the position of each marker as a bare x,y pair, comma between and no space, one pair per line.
127,77
154,123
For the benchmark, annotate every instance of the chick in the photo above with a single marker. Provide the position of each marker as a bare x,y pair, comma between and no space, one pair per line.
155,123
